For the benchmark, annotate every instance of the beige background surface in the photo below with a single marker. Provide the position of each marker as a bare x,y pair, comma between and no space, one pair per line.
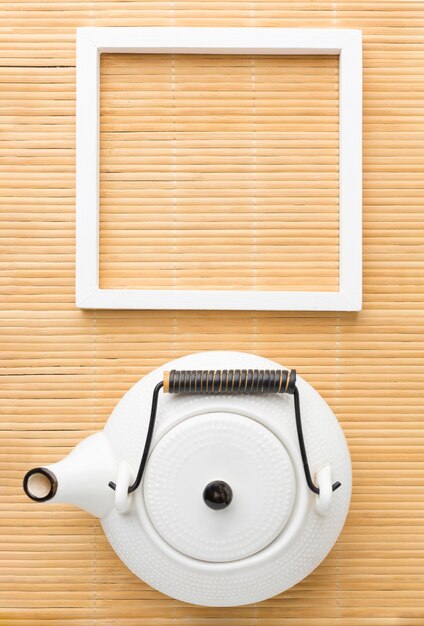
64,369
219,172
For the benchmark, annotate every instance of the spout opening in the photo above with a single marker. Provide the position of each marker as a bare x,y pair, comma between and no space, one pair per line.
40,484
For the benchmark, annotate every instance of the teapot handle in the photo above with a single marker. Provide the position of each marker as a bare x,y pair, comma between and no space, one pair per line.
229,381
242,381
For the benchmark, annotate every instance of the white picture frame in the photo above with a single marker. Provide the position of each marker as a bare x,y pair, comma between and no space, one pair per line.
345,43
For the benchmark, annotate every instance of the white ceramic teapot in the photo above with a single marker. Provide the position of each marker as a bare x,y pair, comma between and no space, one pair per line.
211,482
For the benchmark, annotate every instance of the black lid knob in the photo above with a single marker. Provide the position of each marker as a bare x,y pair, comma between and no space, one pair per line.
217,495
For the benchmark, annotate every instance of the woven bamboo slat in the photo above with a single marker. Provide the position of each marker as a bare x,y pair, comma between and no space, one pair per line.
64,369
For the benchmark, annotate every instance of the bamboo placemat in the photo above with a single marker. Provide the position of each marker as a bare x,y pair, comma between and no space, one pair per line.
64,369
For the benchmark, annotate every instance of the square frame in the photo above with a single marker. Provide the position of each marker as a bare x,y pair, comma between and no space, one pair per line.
346,43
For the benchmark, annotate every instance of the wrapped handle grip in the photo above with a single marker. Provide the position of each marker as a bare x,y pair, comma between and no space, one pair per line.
229,381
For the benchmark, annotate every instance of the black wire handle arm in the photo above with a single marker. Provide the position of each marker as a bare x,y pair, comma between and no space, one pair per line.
302,446
227,382
147,443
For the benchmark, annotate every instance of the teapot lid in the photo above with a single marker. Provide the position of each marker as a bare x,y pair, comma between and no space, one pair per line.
219,487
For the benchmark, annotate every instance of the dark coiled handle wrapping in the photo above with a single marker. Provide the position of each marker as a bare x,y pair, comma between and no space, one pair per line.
229,381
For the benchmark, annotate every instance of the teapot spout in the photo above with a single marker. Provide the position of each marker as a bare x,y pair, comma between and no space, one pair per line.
80,479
